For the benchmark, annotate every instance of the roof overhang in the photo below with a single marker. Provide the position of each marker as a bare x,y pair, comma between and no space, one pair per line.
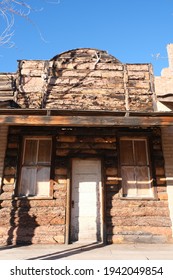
73,118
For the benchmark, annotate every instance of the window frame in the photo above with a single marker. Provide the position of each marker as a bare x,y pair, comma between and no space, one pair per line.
138,137
36,165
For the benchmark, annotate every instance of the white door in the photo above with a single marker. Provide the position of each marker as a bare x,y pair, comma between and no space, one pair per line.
86,206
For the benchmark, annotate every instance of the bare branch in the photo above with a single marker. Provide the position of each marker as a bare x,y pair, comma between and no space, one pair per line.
6,33
11,8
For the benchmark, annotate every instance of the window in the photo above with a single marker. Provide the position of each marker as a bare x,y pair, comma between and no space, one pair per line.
135,168
36,163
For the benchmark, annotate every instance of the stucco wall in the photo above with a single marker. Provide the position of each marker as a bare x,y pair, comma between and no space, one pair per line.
164,84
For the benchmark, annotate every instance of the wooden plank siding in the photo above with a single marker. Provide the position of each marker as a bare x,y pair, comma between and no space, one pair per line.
124,220
7,86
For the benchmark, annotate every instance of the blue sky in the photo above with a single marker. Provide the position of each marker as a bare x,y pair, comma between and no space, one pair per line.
134,31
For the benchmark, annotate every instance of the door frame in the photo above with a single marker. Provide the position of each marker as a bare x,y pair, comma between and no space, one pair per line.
69,200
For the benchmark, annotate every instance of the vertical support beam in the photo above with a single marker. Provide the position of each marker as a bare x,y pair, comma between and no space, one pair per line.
152,88
67,232
104,229
3,141
167,135
45,78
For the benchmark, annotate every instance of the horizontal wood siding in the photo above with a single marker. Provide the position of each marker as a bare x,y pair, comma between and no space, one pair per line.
7,87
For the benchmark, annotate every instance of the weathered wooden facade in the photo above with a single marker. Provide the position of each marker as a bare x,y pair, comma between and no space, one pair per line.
82,155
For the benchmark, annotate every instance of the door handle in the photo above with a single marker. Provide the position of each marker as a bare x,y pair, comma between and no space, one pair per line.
72,203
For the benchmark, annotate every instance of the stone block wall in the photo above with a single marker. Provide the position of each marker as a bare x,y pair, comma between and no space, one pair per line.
140,220
85,79
140,87
29,220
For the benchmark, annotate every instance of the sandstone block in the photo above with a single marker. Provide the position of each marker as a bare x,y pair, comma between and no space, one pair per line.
59,239
8,188
10,171
6,195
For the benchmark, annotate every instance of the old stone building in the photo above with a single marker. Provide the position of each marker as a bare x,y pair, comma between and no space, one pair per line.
86,151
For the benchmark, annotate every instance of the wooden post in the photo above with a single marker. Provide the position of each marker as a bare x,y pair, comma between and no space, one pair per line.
67,235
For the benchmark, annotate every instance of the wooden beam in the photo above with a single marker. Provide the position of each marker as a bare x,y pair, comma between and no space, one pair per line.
91,121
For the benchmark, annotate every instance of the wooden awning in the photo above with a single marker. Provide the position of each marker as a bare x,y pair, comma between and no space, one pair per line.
70,118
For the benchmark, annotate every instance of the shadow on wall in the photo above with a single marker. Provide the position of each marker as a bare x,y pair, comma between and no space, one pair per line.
22,224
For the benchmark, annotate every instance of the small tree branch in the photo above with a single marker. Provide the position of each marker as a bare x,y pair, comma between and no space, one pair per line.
8,10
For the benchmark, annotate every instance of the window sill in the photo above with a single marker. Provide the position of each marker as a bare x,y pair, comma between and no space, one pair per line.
138,198
33,197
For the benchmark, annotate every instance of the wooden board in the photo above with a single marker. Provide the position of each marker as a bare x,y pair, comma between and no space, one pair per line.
92,121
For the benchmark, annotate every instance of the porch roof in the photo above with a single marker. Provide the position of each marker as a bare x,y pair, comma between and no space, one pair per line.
90,118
